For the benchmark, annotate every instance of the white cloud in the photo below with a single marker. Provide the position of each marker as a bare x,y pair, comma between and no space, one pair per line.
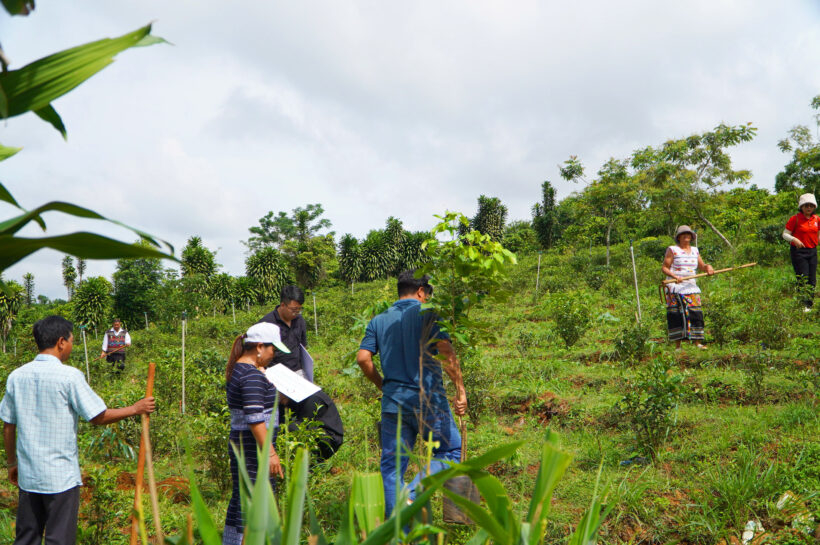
383,108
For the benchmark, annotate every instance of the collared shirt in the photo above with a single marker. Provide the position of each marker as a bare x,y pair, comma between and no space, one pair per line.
397,334
292,336
43,399
116,332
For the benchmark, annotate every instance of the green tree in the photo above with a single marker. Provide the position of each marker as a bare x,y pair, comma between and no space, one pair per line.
134,283
10,301
394,239
412,253
544,216
69,275
375,255
275,230
519,237
308,258
268,269
222,290
467,270
490,218
91,304
28,286
692,169
802,173
197,259
350,263
81,263
246,290
611,196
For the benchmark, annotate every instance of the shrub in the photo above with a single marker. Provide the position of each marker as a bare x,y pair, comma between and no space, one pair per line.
595,276
649,403
630,344
754,372
652,247
572,316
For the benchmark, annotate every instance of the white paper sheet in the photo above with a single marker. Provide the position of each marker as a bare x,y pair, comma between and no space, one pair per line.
290,384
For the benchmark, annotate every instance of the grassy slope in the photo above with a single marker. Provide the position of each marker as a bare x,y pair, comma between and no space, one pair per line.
709,477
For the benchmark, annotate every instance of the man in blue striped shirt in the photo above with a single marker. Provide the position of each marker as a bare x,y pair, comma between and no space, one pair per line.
40,410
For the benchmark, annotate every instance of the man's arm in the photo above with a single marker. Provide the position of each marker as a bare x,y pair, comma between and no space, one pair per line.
10,440
365,360
453,370
145,405
104,344
127,339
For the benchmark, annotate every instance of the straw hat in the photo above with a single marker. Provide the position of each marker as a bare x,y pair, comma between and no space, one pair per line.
806,198
686,229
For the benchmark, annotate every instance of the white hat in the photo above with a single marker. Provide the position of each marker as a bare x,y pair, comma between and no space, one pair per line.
806,198
266,333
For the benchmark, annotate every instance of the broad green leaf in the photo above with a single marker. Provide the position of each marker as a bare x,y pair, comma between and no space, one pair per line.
368,500
205,524
81,244
18,7
5,196
317,536
256,517
34,86
296,498
483,518
50,115
6,152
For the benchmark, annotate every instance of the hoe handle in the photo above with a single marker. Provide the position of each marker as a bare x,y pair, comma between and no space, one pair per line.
149,391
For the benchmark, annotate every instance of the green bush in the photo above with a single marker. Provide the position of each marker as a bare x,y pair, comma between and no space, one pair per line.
596,275
652,247
649,404
631,342
571,313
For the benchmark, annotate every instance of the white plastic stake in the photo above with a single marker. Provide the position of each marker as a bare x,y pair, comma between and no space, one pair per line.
315,319
183,365
635,278
233,311
146,319
538,275
85,348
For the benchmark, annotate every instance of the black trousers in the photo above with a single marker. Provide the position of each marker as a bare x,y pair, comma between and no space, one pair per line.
52,514
804,261
117,358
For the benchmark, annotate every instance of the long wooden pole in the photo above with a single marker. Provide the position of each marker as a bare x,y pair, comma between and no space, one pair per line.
113,351
727,269
184,320
149,391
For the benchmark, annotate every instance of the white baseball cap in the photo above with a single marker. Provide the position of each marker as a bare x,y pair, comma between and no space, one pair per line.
267,333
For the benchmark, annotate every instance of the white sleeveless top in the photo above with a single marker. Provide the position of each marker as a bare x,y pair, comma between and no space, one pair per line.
684,264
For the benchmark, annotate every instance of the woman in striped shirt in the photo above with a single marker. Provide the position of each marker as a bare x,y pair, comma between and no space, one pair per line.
251,398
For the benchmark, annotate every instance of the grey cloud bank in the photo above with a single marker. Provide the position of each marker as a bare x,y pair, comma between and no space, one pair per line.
378,109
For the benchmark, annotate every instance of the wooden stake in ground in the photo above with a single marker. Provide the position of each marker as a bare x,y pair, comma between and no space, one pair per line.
149,391
665,283
635,278
146,319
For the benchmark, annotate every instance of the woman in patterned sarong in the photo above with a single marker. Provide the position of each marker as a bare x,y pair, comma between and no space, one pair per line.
684,315
251,398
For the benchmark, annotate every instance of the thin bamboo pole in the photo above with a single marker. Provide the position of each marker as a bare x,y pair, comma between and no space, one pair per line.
233,311
727,269
538,276
635,279
149,391
152,484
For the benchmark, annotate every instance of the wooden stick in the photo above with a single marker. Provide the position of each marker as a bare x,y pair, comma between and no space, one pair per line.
123,347
463,437
149,391
673,281
152,485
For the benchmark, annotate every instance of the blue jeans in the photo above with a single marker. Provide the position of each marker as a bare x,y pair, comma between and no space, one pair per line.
445,432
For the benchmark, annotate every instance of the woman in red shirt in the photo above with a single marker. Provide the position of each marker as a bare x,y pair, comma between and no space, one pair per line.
802,231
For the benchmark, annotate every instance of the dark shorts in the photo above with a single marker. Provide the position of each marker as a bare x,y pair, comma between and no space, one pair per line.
116,357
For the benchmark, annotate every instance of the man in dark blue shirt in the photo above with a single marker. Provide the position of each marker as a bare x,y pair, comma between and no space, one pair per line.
413,350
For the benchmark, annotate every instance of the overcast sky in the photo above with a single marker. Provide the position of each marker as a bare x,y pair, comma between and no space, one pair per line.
384,108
